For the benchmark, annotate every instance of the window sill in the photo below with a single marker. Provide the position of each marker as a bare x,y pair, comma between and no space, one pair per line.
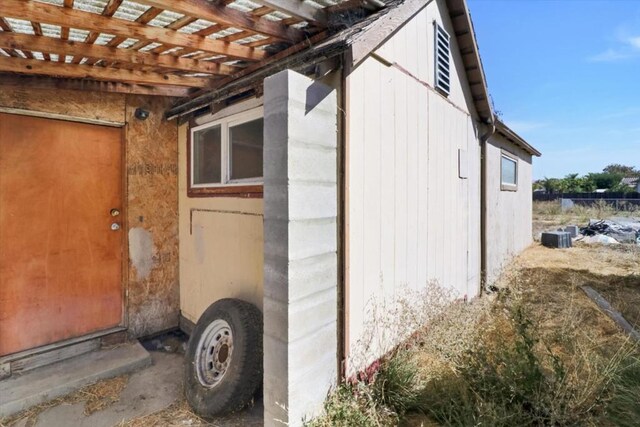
508,187
237,191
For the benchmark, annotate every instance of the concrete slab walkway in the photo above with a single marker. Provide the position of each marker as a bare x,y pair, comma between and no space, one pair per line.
151,396
146,392
47,383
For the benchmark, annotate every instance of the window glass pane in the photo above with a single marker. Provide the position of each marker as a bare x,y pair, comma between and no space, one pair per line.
509,172
246,150
206,156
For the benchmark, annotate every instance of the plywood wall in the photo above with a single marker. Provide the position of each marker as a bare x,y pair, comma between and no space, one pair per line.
411,219
508,212
152,213
151,280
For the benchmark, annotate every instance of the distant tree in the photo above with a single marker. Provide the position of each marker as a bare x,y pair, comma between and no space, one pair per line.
551,185
571,183
605,180
622,170
588,185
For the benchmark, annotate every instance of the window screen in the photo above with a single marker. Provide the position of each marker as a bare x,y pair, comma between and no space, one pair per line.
245,142
509,171
442,59
207,156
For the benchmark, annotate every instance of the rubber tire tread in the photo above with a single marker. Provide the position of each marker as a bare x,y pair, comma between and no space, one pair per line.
244,375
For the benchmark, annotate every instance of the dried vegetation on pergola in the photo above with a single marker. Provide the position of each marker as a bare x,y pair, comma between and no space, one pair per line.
165,47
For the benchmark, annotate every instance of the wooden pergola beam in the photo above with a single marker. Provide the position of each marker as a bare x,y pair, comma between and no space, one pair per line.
145,18
6,27
297,9
108,11
55,15
37,30
64,31
138,59
45,68
39,82
220,14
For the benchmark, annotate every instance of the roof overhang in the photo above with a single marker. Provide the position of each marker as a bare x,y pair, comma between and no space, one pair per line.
506,132
466,38
362,37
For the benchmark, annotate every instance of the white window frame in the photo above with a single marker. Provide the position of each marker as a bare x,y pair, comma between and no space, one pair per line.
507,186
225,143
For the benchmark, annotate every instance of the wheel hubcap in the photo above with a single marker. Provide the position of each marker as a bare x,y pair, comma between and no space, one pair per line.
215,350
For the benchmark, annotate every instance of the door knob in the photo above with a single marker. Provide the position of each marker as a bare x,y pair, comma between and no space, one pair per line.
115,226
114,212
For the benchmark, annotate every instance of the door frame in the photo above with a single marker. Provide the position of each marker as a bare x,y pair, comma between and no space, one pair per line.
124,227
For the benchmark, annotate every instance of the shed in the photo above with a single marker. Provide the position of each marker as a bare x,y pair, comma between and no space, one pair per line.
315,159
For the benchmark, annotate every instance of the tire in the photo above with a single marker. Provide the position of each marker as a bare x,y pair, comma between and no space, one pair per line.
223,362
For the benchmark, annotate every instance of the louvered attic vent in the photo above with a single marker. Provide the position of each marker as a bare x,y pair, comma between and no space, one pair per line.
442,61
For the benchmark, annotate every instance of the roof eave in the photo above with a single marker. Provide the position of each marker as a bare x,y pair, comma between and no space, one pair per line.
467,43
508,133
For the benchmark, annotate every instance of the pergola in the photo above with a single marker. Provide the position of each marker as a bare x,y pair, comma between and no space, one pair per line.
161,47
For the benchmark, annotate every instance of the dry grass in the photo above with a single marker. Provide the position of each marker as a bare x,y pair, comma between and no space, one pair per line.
612,270
178,414
539,352
95,397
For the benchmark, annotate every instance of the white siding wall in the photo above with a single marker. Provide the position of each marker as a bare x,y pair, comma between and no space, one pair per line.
509,212
410,219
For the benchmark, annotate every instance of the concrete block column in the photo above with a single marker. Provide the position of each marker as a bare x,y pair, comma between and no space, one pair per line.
300,247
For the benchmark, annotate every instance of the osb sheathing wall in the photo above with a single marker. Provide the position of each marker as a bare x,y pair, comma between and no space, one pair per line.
151,281
152,170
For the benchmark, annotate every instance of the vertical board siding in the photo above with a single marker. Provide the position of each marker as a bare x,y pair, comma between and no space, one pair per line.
474,211
509,226
411,219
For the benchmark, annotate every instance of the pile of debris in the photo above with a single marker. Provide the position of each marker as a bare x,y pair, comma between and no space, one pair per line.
607,232
612,231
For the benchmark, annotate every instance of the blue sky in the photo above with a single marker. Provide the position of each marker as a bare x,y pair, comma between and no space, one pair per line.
565,74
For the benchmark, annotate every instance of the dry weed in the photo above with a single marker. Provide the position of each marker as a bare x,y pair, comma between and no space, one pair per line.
393,320
538,352
178,414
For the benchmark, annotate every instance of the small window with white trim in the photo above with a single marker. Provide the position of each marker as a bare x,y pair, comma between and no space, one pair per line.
226,156
508,172
442,59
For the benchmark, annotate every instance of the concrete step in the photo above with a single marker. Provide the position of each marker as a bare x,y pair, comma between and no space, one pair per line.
49,382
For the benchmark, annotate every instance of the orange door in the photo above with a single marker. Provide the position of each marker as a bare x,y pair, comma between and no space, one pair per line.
60,260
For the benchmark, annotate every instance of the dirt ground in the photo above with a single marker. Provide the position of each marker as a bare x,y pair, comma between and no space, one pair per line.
554,277
613,271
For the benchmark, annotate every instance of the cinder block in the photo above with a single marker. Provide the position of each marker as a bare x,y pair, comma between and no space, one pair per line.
574,230
556,239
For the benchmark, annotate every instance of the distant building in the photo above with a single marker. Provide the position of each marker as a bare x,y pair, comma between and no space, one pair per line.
631,182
